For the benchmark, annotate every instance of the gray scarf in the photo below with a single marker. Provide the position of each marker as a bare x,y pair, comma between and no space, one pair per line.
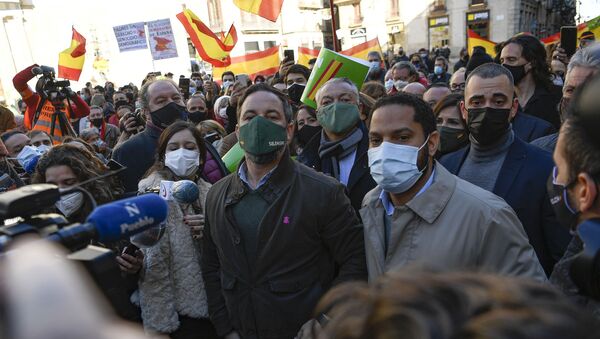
339,149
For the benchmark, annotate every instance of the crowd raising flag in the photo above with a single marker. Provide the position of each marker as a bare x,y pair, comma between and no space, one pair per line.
71,60
268,9
588,26
362,51
474,39
331,65
260,63
210,47
306,54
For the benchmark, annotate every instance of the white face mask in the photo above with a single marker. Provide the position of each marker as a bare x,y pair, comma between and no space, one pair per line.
43,149
27,154
70,203
226,84
389,85
373,65
223,112
394,167
399,84
183,162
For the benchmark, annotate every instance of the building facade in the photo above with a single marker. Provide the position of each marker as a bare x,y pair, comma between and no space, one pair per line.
437,23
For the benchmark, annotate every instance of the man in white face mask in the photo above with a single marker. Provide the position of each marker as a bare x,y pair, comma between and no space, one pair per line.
420,213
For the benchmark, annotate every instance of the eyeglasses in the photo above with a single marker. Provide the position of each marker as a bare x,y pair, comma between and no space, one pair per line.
455,87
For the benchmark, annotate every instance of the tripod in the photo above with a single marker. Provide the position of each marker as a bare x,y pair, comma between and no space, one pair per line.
57,116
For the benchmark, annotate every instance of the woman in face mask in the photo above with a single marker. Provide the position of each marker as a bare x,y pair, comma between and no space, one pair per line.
67,165
172,295
307,126
450,124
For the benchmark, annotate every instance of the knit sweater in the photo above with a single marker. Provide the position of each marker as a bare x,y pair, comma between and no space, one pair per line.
483,163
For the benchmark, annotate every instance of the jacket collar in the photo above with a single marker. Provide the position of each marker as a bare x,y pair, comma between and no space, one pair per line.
429,204
280,180
514,161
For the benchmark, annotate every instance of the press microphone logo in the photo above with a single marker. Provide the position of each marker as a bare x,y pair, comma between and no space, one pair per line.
134,212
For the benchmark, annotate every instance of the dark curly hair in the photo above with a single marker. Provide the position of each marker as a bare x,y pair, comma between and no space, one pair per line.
85,165
533,51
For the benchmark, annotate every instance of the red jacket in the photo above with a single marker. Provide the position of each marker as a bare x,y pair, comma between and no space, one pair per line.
79,108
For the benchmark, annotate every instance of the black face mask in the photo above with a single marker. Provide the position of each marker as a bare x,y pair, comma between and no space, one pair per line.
306,133
452,139
566,215
96,122
295,92
198,116
518,72
165,116
487,124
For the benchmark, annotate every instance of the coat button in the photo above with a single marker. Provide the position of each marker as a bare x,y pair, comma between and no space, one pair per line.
236,240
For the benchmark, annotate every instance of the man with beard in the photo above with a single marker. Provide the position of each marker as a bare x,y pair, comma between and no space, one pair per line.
163,105
420,213
278,235
499,161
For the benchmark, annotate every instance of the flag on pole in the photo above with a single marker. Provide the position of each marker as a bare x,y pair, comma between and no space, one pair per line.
210,47
71,60
305,54
268,9
588,26
473,39
362,51
260,63
331,65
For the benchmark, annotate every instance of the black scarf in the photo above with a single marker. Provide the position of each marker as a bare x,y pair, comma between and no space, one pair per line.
336,150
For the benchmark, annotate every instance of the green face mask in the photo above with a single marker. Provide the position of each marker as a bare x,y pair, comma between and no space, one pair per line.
261,136
338,117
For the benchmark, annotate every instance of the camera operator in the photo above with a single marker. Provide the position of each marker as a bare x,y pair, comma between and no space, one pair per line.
574,187
77,110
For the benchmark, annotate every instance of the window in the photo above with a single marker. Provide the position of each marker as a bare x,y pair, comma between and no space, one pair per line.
393,9
357,14
214,14
251,46
269,44
477,2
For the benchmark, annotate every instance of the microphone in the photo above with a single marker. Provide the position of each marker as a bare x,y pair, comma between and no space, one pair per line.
185,191
114,221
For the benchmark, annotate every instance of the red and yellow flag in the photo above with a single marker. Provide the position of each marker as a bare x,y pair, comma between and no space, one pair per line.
71,60
268,9
260,63
306,54
588,26
210,47
362,51
473,39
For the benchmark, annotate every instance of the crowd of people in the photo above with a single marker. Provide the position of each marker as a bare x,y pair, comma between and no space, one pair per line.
432,201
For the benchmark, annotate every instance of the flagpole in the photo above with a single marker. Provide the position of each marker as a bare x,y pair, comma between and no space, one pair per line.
336,46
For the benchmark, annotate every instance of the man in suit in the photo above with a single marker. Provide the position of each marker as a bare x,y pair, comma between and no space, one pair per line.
341,149
529,128
502,163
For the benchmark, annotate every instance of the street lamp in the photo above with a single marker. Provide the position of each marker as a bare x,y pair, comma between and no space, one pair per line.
5,19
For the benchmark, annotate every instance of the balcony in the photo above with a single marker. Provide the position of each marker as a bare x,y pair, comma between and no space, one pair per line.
437,8
477,4
310,4
346,2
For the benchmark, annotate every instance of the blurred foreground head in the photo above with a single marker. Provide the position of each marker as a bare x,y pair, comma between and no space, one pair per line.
427,305
45,295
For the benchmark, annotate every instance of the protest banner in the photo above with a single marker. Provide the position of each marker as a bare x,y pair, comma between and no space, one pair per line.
162,40
131,37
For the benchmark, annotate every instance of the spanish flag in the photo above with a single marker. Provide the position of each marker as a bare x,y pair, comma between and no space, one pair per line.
260,63
588,26
71,60
362,51
210,47
473,39
306,54
268,9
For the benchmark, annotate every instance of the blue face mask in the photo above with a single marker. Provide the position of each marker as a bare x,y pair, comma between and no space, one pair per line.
394,167
438,70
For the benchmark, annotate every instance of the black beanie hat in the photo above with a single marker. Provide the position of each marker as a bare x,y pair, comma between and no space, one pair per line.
478,58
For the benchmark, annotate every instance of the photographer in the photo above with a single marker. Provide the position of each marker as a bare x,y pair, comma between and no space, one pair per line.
574,190
77,110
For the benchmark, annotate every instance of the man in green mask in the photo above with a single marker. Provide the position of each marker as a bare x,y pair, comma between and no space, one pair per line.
277,235
341,150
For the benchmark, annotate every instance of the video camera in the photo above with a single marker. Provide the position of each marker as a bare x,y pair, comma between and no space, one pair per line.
141,219
49,88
